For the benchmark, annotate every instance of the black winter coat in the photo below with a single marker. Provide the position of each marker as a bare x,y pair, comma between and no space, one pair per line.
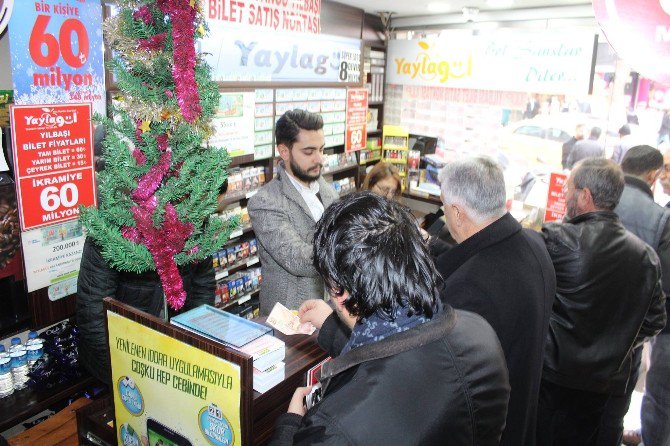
504,274
443,382
609,299
98,280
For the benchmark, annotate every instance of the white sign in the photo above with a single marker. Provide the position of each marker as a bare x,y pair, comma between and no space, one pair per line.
52,256
242,54
523,61
234,123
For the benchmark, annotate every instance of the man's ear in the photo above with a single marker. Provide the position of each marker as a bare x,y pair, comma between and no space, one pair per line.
585,200
459,214
283,151
651,176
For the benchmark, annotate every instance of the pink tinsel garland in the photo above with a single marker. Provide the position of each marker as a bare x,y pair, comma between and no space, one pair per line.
153,43
182,15
144,14
170,238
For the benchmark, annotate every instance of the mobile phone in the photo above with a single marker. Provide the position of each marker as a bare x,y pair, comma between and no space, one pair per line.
160,435
314,396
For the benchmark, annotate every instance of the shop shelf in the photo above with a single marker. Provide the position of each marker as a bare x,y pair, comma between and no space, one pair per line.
242,299
340,169
223,273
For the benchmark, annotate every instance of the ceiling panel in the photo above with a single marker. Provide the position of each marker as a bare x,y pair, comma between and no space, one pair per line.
407,8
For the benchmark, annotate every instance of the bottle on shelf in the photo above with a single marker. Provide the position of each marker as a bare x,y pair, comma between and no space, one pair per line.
6,380
19,356
34,348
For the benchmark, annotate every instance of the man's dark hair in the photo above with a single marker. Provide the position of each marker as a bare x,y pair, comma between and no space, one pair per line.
371,247
595,133
639,160
291,122
624,130
604,178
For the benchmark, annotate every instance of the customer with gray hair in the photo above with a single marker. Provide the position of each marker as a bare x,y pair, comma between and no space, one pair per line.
503,273
609,299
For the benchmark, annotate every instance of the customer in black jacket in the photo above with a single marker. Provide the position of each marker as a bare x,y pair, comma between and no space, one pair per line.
642,216
406,370
609,299
97,280
503,273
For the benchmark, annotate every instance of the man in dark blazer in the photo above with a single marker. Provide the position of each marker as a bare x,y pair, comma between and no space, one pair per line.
503,273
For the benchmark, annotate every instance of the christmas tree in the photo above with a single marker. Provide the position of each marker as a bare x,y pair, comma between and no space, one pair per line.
160,183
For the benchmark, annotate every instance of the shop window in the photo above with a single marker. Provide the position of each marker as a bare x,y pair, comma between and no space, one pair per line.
557,135
530,130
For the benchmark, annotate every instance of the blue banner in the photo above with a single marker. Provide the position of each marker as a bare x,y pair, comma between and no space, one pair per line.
57,52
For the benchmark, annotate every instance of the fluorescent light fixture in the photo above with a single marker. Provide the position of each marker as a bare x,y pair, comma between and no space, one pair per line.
438,6
499,3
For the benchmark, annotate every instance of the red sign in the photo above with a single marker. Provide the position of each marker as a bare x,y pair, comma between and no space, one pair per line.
556,205
357,109
53,158
639,31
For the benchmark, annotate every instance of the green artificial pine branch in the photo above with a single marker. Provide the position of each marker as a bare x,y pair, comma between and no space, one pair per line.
148,96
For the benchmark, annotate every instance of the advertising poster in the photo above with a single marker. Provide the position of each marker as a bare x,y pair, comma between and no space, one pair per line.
556,205
357,109
53,161
234,123
301,16
6,98
10,234
518,61
56,52
152,374
52,256
242,54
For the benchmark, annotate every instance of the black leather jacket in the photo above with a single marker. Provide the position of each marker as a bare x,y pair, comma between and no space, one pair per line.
98,280
609,299
443,382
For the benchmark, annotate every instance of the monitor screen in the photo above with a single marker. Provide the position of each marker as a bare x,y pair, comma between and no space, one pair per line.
424,144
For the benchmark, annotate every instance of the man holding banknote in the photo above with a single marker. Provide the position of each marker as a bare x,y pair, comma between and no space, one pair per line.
283,213
405,369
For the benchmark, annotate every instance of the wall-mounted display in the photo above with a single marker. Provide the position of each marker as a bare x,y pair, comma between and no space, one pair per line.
240,54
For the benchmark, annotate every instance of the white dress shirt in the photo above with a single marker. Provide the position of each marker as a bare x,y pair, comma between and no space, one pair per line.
309,195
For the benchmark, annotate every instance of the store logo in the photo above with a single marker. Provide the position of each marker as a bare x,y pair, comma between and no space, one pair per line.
51,118
426,68
215,426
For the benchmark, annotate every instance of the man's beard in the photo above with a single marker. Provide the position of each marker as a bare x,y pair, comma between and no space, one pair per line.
571,209
666,186
301,174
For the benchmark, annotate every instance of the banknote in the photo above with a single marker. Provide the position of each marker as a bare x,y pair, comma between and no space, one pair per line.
288,322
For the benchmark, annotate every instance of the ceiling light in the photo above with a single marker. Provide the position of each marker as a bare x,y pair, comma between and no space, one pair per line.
499,3
469,13
438,6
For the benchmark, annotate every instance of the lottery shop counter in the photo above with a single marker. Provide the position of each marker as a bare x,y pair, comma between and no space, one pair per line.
172,384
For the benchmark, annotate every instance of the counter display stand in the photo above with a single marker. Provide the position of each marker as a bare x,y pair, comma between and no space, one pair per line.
258,412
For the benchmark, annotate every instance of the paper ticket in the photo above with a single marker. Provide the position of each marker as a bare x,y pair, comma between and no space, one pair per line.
287,322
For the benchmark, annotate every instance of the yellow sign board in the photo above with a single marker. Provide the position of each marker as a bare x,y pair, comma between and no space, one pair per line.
167,392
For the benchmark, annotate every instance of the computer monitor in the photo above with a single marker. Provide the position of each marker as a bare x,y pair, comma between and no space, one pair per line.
424,144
